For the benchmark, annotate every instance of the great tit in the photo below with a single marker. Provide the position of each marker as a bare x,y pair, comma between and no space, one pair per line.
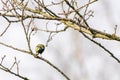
39,49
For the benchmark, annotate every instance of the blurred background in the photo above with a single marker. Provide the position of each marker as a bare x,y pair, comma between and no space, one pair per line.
76,56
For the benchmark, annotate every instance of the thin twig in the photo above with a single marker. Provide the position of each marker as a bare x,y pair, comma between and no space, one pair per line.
12,65
2,58
2,67
27,38
86,8
55,31
14,48
48,62
109,52
5,29
69,12
9,71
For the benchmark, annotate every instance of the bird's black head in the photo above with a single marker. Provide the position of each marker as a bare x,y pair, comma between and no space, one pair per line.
40,50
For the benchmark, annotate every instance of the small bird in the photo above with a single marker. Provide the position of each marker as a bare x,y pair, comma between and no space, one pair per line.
39,49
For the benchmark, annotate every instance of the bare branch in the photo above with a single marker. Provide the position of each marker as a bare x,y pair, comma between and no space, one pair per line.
9,46
2,58
17,65
48,62
2,67
27,38
110,53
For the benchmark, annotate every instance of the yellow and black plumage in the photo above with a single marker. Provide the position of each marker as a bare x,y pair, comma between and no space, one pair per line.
39,49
